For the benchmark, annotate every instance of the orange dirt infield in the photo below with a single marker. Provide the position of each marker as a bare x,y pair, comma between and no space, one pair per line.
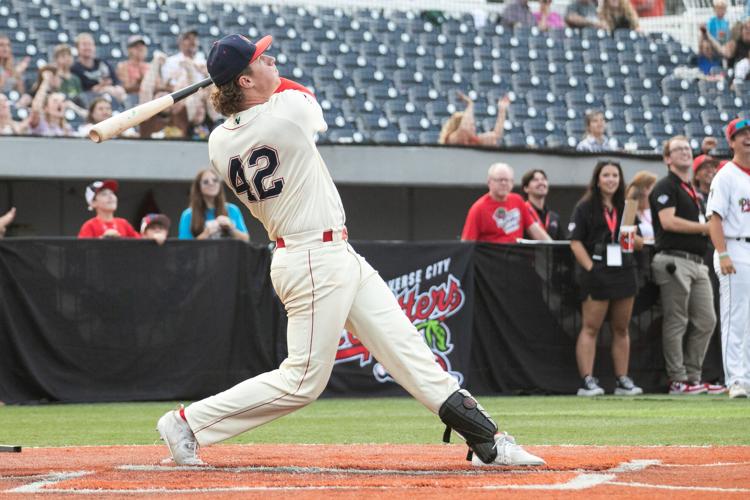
382,471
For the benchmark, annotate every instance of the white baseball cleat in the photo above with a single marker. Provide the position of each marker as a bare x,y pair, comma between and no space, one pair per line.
736,390
176,433
508,453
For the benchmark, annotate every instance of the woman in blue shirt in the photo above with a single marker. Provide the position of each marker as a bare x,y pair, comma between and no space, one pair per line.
209,215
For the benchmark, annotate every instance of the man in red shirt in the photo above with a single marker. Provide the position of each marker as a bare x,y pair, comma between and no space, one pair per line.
102,197
500,216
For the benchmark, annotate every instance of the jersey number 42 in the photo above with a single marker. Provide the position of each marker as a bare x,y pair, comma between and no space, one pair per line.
262,163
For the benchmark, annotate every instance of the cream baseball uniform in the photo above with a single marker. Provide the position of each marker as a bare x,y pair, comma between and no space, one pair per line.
267,155
730,198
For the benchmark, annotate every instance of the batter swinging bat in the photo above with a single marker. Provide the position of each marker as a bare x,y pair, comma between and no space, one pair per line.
113,126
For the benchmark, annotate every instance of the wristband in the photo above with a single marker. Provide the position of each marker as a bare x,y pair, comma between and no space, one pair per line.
724,255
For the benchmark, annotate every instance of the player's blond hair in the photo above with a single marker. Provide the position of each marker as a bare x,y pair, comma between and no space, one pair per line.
228,99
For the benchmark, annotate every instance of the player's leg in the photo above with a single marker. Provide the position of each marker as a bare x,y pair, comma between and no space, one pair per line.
740,323
380,324
316,290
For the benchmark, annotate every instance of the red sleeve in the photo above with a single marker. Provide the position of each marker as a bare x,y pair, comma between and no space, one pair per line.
471,226
287,84
87,230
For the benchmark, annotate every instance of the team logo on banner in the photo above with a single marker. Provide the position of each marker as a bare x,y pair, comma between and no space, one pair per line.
428,308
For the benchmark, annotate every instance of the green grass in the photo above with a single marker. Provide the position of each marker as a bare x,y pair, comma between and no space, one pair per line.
648,420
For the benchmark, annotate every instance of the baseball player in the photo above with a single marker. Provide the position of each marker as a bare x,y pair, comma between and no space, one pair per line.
729,208
266,153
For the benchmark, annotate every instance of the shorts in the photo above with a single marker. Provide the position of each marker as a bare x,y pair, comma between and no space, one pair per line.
609,283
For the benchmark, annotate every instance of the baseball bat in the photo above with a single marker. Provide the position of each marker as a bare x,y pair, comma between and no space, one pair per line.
113,126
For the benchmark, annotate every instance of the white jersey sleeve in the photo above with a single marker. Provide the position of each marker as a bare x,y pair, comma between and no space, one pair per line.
301,108
718,194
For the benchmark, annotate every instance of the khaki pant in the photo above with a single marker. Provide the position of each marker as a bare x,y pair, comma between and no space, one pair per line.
689,317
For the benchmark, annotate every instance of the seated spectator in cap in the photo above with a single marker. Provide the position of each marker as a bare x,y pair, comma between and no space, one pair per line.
500,216
11,74
70,84
536,187
639,190
96,75
155,227
718,26
48,111
546,19
704,170
595,141
188,64
8,126
101,196
518,13
6,220
648,8
131,71
210,216
619,14
583,14
461,127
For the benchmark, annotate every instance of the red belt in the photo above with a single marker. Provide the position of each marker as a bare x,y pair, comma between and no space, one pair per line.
327,236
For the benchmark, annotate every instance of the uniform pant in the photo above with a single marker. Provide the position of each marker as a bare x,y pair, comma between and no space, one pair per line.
689,318
324,287
734,292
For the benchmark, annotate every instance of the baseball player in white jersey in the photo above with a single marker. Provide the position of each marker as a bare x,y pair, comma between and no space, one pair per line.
266,153
729,208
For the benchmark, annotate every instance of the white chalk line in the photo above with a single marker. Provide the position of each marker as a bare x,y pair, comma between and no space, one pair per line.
680,488
47,480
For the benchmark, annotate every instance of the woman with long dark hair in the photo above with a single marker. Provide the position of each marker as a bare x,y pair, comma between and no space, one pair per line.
608,278
209,214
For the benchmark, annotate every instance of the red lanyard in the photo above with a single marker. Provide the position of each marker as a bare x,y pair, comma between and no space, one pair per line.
691,192
535,215
611,221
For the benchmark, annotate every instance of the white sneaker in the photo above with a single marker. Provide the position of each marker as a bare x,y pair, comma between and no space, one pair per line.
508,453
590,387
176,433
626,387
736,390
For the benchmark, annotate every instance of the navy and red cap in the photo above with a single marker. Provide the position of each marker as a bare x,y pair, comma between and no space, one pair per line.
232,54
154,219
735,126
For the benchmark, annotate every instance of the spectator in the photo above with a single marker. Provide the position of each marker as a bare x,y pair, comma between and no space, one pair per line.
70,84
582,14
639,189
704,170
101,196
48,110
96,75
188,64
707,59
546,19
131,71
608,281
686,295
8,126
707,144
461,127
209,215
518,13
155,227
738,45
718,26
500,216
741,70
619,14
648,8
99,110
11,74
6,220
536,187
595,141
729,209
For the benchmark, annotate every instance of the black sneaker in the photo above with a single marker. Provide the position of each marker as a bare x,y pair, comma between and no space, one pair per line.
590,387
626,387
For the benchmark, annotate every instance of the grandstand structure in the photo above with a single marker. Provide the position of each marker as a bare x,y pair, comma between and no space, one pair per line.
390,76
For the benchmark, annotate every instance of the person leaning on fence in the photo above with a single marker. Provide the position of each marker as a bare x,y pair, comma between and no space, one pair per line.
155,227
209,215
678,269
608,279
536,188
101,196
461,128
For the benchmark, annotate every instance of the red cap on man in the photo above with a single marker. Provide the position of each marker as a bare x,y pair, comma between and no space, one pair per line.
735,126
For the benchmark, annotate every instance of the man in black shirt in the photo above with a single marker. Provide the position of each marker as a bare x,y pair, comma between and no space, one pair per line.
535,189
680,229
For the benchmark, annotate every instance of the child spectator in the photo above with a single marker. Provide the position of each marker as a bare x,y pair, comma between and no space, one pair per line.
209,215
132,71
595,141
70,84
619,14
11,74
155,227
718,26
101,196
546,19
48,110
461,127
8,126
6,220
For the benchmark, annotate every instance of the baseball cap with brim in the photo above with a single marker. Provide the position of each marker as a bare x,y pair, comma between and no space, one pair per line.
154,219
699,161
95,187
735,126
135,40
230,55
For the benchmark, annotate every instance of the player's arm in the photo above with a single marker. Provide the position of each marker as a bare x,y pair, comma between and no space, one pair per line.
720,243
302,108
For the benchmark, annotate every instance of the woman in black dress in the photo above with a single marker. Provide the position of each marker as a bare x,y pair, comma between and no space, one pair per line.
608,277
